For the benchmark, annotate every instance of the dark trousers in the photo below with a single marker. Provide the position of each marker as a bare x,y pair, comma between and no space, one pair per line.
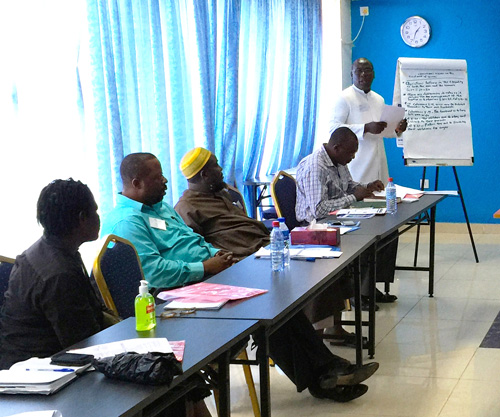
386,264
301,353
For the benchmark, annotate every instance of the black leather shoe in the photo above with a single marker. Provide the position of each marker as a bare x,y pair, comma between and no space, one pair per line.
380,297
365,303
328,380
341,393
354,375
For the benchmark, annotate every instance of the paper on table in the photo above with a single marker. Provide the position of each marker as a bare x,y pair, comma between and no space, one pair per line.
19,381
392,115
211,292
401,192
139,345
188,303
46,413
442,192
303,252
360,211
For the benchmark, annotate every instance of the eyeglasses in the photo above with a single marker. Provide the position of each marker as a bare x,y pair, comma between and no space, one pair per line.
170,314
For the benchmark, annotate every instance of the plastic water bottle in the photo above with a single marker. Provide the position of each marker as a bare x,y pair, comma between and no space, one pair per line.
145,318
277,248
286,240
390,197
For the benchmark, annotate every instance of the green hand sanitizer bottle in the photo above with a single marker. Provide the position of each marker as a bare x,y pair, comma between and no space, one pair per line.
145,318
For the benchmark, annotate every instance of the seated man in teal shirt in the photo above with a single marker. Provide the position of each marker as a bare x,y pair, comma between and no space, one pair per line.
168,259
172,254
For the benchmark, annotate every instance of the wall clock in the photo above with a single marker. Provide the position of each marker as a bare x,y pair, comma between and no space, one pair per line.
415,31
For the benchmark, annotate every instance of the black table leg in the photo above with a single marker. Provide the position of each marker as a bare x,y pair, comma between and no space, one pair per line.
224,385
357,312
265,383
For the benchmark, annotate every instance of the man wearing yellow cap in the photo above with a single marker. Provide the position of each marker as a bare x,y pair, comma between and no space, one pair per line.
208,209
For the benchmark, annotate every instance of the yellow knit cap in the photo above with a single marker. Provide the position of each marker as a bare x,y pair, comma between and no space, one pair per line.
194,161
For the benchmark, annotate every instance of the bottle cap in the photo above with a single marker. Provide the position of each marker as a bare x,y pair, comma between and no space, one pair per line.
390,179
276,223
281,219
143,289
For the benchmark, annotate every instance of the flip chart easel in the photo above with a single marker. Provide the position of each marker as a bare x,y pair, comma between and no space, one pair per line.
435,94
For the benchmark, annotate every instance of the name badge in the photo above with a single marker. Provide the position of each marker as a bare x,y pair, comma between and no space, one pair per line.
157,223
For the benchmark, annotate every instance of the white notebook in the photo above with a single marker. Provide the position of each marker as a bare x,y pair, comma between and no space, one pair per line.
37,376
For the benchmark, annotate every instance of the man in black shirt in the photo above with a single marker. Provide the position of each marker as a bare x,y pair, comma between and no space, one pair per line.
50,303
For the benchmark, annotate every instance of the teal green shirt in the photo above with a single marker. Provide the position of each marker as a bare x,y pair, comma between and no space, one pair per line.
171,253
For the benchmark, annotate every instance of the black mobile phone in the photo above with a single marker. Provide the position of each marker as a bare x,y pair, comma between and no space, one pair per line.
71,359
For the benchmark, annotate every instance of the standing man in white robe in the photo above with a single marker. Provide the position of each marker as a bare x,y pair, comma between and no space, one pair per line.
359,108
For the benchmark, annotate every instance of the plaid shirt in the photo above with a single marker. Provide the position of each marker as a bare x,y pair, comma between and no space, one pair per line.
322,186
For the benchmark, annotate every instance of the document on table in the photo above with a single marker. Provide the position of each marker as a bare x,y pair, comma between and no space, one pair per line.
359,213
198,304
443,192
139,345
205,291
392,115
46,413
37,376
303,252
401,192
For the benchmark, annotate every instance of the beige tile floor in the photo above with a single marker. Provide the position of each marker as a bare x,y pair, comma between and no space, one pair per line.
428,348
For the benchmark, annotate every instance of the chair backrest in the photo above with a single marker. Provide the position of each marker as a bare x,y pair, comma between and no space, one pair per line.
284,193
117,271
6,265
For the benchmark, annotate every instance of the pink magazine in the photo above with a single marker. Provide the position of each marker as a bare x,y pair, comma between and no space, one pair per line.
204,291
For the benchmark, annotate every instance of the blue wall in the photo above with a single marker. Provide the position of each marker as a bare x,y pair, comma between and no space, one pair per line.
459,30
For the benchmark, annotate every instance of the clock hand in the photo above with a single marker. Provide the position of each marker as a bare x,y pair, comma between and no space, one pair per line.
415,34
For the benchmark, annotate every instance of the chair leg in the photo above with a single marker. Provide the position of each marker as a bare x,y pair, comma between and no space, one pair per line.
250,384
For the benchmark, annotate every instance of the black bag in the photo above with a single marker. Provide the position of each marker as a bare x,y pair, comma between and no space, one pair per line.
153,368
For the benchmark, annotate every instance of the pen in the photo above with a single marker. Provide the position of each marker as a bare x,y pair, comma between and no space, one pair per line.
304,259
53,370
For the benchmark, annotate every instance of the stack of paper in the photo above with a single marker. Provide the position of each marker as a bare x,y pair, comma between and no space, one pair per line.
206,296
37,376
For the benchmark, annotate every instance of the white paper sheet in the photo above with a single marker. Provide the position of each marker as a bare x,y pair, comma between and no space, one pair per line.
303,252
392,115
139,345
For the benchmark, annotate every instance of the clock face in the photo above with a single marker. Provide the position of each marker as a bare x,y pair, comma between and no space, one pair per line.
415,31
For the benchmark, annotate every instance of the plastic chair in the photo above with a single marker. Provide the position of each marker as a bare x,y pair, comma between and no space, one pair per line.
6,265
284,193
117,272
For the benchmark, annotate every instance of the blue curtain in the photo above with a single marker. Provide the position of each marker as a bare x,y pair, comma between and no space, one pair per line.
278,101
238,77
